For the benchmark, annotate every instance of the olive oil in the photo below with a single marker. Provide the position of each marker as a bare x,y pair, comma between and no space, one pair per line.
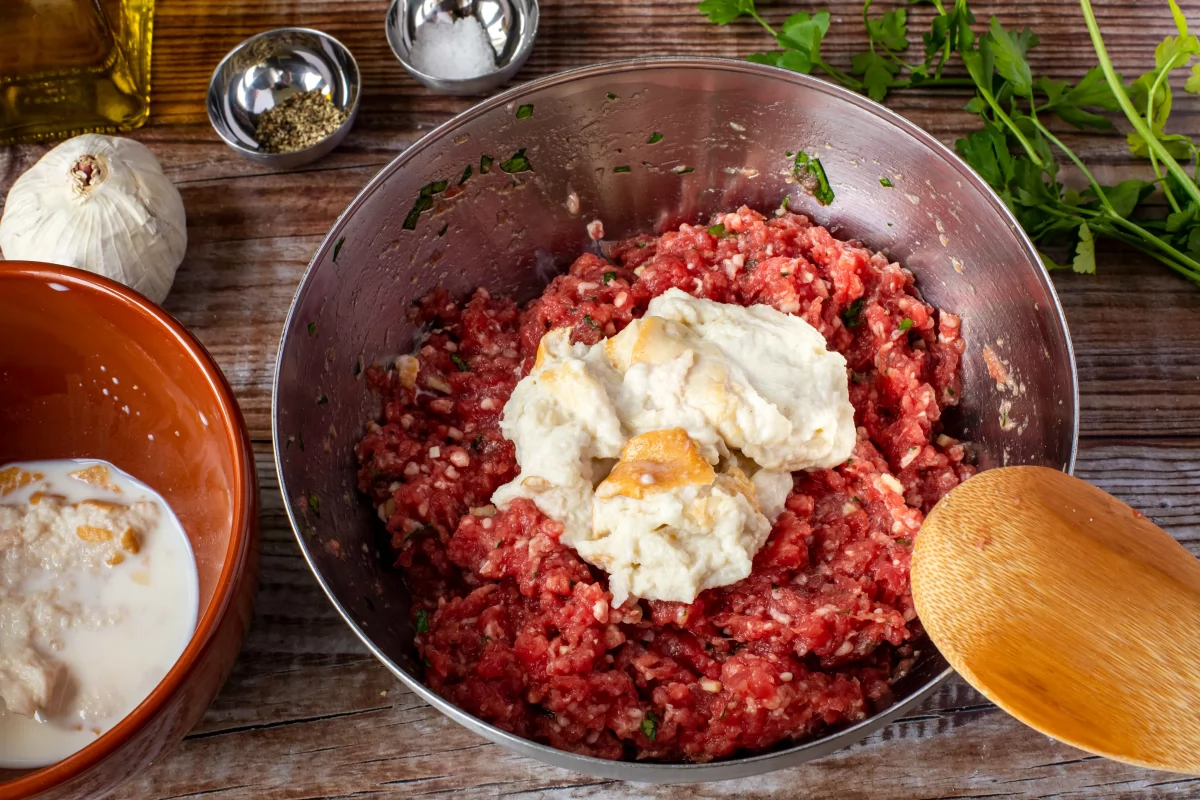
73,66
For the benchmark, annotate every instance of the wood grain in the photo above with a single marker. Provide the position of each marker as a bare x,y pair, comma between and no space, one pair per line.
303,715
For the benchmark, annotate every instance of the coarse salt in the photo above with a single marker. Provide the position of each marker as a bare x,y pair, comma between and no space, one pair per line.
453,50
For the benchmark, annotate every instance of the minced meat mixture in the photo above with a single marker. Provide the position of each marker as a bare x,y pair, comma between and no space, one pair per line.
514,628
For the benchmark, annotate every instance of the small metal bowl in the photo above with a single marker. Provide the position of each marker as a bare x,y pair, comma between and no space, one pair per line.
511,26
270,67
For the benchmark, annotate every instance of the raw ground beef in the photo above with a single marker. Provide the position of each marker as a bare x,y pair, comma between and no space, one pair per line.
516,629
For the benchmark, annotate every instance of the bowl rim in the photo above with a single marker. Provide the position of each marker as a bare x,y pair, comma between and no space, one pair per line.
655,772
524,46
244,517
351,109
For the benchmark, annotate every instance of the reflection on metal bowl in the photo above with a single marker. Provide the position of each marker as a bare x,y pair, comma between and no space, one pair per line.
644,146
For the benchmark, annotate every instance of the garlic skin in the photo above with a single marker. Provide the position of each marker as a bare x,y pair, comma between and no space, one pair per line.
103,204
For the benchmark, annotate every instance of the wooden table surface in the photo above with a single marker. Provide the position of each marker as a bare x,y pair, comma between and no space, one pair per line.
309,713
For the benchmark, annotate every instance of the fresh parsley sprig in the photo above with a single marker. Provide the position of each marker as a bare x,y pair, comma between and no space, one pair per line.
874,73
1015,150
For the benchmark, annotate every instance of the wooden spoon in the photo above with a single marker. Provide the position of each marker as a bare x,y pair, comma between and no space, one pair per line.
1069,610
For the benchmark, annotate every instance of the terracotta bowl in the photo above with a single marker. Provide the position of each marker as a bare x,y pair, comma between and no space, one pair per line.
64,336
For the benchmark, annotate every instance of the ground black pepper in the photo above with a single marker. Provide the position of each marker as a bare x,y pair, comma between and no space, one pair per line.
300,121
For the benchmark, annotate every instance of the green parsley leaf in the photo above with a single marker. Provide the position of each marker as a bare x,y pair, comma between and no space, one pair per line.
1085,252
717,230
518,163
852,314
422,621
723,12
809,173
650,726
525,111
314,503
423,203
460,362
655,138
802,34
784,59
987,153
312,329
904,542
609,277
886,183
877,73
1126,195
1009,49
890,30
1071,103
905,324
1193,82
588,319
621,169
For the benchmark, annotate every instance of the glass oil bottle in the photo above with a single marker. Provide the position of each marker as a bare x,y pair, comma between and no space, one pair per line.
73,66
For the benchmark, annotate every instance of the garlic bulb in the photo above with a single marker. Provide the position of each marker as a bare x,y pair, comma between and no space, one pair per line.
102,204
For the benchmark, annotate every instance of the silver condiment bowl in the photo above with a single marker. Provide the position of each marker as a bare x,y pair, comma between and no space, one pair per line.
643,146
511,26
270,67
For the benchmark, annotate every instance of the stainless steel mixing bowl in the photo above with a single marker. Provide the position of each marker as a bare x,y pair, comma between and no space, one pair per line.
593,142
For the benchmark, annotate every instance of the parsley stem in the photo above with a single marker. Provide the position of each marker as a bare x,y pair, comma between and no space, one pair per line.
1135,119
1158,248
867,25
839,76
1121,229
752,12
1075,212
1150,115
1077,162
1177,266
1134,234
986,94
946,83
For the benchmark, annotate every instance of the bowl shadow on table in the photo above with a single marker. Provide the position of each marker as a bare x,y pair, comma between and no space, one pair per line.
501,196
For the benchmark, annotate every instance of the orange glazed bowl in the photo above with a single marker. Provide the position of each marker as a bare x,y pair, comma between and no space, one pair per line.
64,336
